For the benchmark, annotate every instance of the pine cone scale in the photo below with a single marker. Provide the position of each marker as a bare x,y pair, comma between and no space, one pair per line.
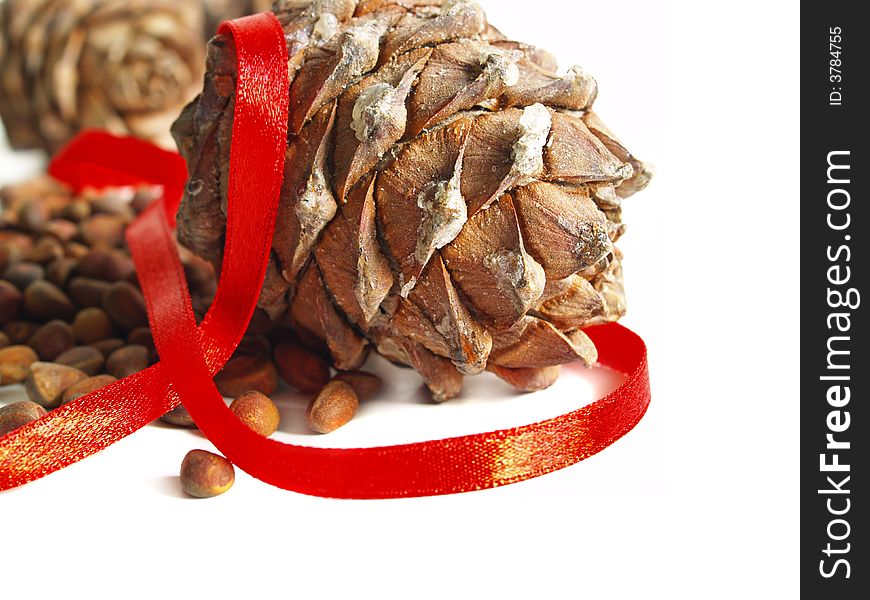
413,201
563,229
308,204
371,118
355,270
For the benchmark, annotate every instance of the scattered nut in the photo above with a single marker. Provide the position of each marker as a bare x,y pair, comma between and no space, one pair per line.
44,300
69,294
106,347
243,373
52,339
258,345
15,239
61,229
9,255
113,202
88,292
20,331
75,250
179,417
303,369
92,325
85,387
59,270
33,216
200,276
334,406
124,303
205,475
15,363
108,265
127,361
47,382
84,358
142,337
258,412
144,197
76,211
102,230
366,385
22,274
260,323
10,301
46,250
19,414
528,379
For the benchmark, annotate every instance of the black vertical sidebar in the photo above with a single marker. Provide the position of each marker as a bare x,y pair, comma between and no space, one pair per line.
834,369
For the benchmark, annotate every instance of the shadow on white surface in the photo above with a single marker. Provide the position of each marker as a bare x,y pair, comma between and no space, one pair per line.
168,485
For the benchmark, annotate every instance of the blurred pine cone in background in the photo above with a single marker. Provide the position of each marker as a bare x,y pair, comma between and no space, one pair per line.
218,11
128,66
448,199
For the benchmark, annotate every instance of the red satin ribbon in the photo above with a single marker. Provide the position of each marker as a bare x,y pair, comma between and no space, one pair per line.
191,355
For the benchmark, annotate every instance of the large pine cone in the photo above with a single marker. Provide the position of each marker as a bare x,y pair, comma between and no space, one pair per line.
447,198
128,66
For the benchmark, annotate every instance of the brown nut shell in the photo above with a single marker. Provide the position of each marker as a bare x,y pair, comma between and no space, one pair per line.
47,382
366,385
91,325
19,414
15,363
205,474
300,367
85,387
258,412
128,360
244,373
84,358
334,407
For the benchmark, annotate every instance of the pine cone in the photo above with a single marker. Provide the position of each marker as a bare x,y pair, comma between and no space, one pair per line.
218,11
447,198
128,66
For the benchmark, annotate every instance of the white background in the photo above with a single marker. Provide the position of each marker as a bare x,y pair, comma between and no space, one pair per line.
700,501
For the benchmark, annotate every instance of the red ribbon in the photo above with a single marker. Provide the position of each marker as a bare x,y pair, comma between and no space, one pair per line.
191,356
